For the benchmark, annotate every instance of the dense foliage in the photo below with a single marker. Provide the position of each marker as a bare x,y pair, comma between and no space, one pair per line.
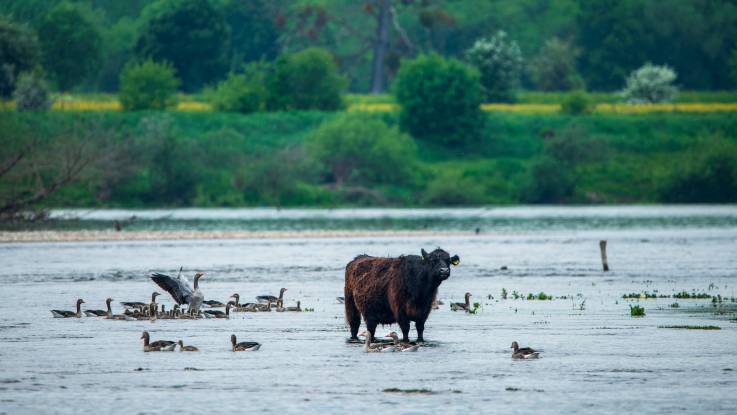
71,44
499,60
305,80
554,69
192,35
650,84
221,159
614,37
148,85
439,99
19,52
31,92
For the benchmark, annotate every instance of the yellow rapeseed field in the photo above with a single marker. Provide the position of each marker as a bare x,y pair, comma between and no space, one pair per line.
74,104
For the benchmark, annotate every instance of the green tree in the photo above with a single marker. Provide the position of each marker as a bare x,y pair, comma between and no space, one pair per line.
242,92
710,176
192,35
440,99
147,85
733,66
19,52
499,61
31,92
253,35
360,149
554,69
70,43
305,80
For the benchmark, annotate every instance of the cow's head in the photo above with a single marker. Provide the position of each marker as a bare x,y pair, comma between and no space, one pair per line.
439,262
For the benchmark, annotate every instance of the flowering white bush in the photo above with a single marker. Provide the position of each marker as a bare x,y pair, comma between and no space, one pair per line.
650,84
499,59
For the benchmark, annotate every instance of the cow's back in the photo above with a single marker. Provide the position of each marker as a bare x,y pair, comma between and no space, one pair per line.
367,279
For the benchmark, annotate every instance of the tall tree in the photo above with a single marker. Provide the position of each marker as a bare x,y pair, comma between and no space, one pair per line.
192,35
253,34
71,44
19,52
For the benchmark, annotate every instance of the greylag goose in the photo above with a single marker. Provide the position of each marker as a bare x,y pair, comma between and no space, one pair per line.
243,346
100,313
138,304
157,346
237,306
403,347
180,291
68,314
295,308
369,346
271,298
218,313
462,306
523,352
183,348
213,304
263,307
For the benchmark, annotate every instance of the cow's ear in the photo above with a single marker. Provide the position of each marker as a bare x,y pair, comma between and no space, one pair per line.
455,260
424,253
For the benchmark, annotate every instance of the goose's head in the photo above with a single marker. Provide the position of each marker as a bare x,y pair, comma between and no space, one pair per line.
515,346
145,335
108,301
233,339
80,301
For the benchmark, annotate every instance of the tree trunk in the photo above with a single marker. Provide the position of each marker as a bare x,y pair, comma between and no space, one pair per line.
381,43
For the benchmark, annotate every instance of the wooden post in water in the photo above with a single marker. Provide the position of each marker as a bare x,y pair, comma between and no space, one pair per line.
604,262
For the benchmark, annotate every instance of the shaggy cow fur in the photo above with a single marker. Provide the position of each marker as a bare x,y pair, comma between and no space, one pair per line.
394,290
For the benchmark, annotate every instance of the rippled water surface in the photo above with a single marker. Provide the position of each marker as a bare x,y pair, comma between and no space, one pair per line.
596,358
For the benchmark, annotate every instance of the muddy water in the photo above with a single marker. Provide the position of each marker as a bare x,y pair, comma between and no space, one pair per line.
596,358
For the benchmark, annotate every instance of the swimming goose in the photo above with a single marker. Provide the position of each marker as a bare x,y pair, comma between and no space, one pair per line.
523,352
369,346
213,304
157,346
218,313
297,308
183,348
243,346
180,291
68,314
263,307
100,313
237,306
403,347
138,304
271,298
462,306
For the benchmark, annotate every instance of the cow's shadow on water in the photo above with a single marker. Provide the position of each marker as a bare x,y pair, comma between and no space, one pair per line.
426,343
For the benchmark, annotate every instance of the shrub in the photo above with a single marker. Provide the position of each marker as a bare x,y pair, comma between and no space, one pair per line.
554,69
306,80
452,188
19,52
576,103
574,145
550,182
637,311
709,177
31,93
499,60
440,99
359,149
244,93
650,84
148,85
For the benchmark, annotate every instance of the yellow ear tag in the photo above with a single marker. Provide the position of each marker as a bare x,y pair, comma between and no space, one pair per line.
455,261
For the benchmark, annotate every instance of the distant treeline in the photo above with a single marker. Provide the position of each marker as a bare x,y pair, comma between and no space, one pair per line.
353,159
84,45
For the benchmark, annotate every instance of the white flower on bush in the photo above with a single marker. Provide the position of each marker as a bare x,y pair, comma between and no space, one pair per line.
650,84
499,59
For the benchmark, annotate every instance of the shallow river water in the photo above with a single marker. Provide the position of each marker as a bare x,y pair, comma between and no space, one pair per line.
596,358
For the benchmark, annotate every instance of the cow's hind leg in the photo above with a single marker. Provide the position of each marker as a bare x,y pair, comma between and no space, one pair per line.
352,315
371,327
420,326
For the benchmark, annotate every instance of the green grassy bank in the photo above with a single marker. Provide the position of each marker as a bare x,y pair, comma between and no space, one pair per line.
219,159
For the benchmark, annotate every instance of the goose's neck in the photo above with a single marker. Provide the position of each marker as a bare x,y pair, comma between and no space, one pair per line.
79,309
196,282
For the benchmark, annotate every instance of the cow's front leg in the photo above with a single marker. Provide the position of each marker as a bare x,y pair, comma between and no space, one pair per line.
404,326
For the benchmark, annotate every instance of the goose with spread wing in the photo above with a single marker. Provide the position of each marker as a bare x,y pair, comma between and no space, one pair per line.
180,290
